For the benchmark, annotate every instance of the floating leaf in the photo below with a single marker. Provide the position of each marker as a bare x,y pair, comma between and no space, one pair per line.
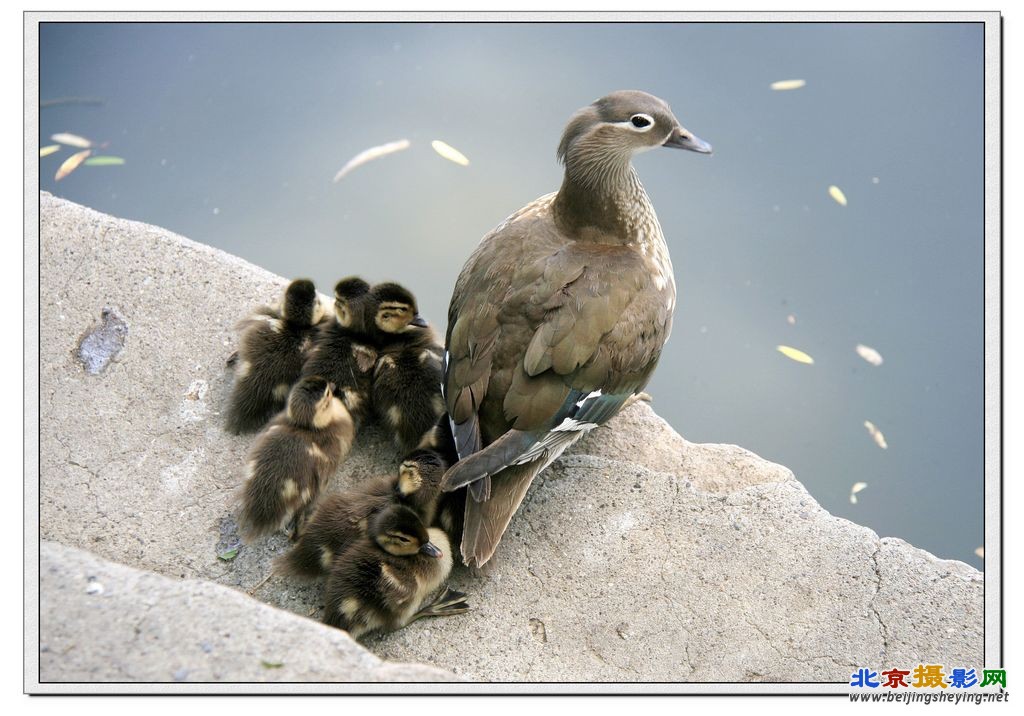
869,354
228,554
980,552
48,150
272,664
104,161
791,319
783,85
837,194
857,487
794,354
450,153
71,164
72,140
876,434
368,155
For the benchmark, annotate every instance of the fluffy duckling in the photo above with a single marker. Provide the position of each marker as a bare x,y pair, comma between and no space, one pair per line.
272,349
343,350
385,580
293,458
451,506
341,519
407,378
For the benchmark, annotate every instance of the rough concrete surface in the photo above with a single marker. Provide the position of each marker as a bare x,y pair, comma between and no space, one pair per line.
102,621
638,556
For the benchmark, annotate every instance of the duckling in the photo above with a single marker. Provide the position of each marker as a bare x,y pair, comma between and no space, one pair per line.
451,507
341,519
273,346
293,458
385,580
343,350
407,378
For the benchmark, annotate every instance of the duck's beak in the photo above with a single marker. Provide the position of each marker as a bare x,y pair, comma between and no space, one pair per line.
431,551
419,321
684,139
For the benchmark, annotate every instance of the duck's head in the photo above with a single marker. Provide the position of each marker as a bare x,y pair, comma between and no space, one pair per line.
301,303
622,124
350,297
398,530
310,400
396,309
418,467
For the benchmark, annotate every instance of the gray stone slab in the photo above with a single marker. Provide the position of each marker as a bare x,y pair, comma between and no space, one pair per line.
638,556
104,622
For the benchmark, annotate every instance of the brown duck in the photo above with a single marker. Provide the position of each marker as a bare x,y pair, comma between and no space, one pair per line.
560,314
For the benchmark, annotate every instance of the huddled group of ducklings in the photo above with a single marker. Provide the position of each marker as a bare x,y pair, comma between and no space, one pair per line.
308,378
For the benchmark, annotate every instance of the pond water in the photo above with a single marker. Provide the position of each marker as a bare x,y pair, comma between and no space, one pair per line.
232,133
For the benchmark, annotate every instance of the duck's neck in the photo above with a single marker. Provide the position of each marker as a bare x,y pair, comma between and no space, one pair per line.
605,201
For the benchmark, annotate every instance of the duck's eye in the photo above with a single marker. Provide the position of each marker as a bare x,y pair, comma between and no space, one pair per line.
641,121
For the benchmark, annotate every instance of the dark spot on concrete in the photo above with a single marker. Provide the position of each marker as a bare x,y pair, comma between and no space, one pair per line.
538,631
181,674
229,537
102,343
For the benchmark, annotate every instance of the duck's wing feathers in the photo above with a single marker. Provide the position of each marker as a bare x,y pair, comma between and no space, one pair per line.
593,322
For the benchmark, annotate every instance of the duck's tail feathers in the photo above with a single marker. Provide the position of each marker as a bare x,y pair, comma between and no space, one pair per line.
485,522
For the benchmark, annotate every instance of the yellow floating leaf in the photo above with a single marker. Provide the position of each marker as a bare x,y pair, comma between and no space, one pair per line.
71,164
783,85
48,150
72,140
876,434
837,194
450,153
869,354
980,552
368,155
857,487
794,354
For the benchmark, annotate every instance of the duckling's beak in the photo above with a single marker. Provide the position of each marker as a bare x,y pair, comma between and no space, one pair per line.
684,139
419,321
431,551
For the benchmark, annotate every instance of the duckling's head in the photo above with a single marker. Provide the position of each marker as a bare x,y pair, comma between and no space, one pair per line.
396,309
350,294
617,126
418,467
301,304
398,530
309,398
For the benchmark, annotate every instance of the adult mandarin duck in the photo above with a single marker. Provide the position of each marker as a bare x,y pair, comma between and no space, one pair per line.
560,314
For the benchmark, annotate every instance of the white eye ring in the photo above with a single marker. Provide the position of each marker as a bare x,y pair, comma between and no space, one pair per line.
641,122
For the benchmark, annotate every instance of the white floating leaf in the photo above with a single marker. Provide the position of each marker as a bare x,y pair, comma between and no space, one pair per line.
72,140
980,552
783,85
48,150
368,155
857,487
450,153
795,354
837,194
876,434
791,319
869,354
71,164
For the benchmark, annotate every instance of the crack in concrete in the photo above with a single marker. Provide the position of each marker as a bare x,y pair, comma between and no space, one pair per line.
882,628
